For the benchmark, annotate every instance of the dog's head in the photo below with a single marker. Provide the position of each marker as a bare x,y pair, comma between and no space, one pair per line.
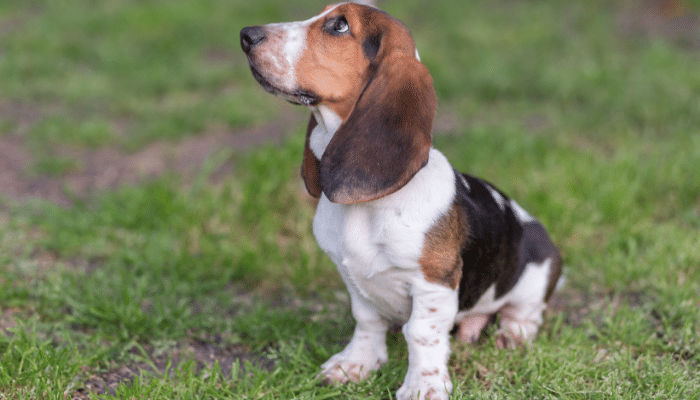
360,64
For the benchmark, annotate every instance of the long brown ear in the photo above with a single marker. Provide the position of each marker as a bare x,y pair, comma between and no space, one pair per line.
310,164
386,139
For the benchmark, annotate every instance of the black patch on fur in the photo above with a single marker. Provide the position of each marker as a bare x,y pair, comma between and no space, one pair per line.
371,46
498,245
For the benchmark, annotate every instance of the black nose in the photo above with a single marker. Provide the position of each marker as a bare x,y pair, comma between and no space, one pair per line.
250,36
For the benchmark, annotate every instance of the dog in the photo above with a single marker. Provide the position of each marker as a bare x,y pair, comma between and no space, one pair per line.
415,241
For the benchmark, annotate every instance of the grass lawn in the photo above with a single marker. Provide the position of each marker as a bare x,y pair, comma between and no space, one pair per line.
155,237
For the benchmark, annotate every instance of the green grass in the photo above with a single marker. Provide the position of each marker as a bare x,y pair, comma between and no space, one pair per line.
595,132
128,72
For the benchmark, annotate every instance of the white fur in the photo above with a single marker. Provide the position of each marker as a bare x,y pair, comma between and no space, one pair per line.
521,308
376,246
293,47
427,334
366,351
293,37
522,215
497,198
328,122
464,182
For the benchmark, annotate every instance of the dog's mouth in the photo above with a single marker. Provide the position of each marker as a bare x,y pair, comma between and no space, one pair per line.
299,96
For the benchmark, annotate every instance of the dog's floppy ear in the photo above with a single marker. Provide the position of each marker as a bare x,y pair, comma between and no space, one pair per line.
386,138
310,164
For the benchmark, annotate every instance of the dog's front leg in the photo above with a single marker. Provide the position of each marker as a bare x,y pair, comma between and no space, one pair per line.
427,333
366,351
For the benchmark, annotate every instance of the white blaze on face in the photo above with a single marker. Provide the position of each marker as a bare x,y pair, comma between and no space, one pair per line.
293,43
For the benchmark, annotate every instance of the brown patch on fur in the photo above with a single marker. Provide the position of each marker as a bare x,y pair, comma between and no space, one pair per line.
333,66
386,139
441,261
424,341
310,165
372,80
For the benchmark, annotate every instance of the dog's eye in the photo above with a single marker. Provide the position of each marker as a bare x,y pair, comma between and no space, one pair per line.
341,25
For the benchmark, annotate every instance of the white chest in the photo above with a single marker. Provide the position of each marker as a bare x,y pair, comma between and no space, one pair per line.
376,245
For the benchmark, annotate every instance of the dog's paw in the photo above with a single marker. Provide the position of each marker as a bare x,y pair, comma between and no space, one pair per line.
426,384
340,368
515,333
470,327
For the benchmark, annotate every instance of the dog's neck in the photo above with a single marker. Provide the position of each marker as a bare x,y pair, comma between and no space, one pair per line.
327,123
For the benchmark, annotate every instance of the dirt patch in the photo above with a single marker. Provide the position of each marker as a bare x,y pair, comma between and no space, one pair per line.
671,20
7,319
203,354
110,167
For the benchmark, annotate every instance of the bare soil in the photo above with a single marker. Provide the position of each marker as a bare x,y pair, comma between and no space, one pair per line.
670,20
110,167
203,354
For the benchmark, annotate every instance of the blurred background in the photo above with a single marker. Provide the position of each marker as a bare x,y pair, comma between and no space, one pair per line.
152,213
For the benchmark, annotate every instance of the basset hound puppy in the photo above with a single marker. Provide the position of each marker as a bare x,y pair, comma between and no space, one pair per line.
414,240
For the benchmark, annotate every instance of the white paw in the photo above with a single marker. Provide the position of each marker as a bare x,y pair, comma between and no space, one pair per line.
427,384
515,333
340,368
470,327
